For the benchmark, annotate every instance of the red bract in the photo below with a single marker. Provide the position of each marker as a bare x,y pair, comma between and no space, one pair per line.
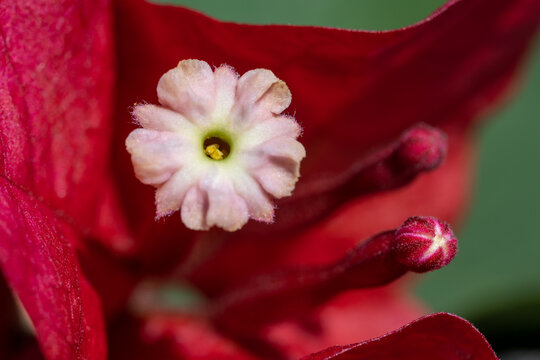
438,336
73,214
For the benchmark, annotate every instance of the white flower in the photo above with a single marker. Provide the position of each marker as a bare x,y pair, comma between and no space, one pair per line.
217,148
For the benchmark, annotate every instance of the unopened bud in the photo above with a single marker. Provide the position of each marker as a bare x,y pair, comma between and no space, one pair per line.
424,243
424,147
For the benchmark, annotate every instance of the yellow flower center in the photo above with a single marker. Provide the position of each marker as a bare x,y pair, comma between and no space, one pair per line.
216,148
213,152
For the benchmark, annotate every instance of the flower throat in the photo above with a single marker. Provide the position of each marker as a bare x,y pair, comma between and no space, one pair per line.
216,148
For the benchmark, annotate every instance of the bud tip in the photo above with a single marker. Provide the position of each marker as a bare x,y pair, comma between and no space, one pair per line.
424,243
424,146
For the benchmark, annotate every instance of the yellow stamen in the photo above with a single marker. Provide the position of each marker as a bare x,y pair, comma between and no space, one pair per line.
214,152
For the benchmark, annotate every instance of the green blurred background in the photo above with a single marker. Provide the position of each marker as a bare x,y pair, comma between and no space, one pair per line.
495,279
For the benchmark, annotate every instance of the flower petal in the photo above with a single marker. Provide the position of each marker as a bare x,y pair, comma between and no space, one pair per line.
213,201
259,205
276,165
188,89
226,208
170,195
438,336
259,94
277,98
194,209
269,128
161,119
156,155
226,80
253,85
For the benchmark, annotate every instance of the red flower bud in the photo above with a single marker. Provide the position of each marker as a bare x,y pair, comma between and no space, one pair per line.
423,147
424,243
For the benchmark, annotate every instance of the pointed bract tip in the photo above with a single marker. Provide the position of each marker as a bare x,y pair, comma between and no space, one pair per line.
424,243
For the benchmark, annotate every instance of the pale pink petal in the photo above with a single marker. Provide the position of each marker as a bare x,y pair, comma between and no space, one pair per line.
161,119
278,178
226,208
284,147
155,155
258,93
253,84
276,99
189,89
276,165
170,195
194,208
259,205
225,79
272,127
